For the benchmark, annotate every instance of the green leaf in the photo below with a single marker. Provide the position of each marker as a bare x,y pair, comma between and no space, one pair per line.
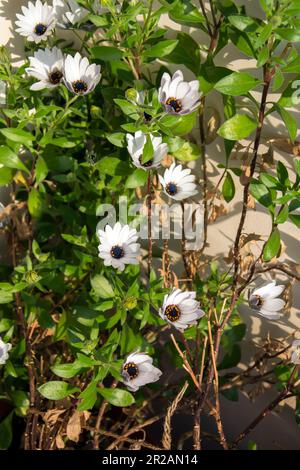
99,20
6,433
41,170
238,127
161,49
243,23
242,41
295,218
35,203
179,125
210,75
57,390
102,287
292,67
228,188
113,166
262,57
252,445
289,121
117,139
261,193
236,84
232,358
6,175
18,135
264,35
187,152
282,215
107,53
5,297
10,160
268,180
291,35
136,179
272,246
283,175
128,108
66,371
185,13
117,396
148,150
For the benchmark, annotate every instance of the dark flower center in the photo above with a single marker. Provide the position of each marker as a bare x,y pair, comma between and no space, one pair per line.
131,369
117,252
147,164
79,86
55,77
172,312
147,117
175,104
40,29
255,302
171,189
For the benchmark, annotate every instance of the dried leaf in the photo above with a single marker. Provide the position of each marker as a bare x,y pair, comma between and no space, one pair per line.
212,123
167,161
251,202
216,212
51,416
59,442
74,426
287,146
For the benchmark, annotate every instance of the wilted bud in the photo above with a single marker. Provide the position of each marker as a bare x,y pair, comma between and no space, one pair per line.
130,303
31,277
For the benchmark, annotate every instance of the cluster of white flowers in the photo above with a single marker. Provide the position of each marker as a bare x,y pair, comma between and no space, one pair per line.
51,68
118,244
39,20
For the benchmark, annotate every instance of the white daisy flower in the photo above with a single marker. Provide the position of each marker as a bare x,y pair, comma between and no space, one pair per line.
264,300
178,96
37,21
80,76
296,352
135,146
138,370
181,309
68,13
177,183
46,66
118,246
4,348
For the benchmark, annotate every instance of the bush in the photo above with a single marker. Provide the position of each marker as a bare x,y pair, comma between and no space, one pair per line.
99,331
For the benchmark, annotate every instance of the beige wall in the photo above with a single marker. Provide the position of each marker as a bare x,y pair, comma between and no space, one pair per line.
280,428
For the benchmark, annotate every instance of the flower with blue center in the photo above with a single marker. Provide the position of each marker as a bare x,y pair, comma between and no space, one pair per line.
135,147
138,370
37,21
4,348
265,302
118,246
181,309
80,77
177,183
177,96
47,67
